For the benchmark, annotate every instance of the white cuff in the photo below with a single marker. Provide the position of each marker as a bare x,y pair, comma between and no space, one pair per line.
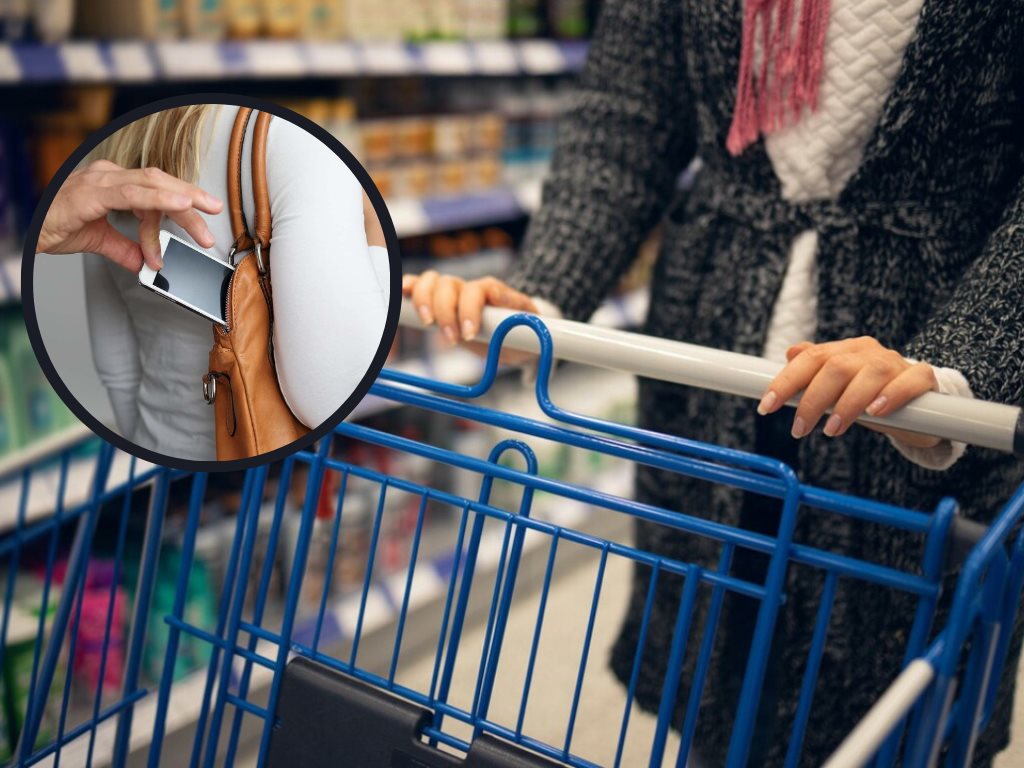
947,452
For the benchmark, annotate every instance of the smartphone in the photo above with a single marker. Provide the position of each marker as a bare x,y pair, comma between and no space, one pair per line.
190,278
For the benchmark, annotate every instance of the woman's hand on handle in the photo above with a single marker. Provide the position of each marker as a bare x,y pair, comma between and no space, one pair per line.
852,377
76,220
457,305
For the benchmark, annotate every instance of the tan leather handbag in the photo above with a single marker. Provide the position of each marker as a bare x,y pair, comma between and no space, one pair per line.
251,414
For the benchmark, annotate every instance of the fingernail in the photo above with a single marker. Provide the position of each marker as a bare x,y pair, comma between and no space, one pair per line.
450,334
212,201
468,330
208,237
833,425
425,315
799,428
767,402
877,405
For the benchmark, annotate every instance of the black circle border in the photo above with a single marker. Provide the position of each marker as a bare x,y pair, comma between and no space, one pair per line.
394,297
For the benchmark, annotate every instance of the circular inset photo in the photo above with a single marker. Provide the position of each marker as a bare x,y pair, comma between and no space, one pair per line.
212,282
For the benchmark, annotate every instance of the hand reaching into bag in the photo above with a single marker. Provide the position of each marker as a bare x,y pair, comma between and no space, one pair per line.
76,221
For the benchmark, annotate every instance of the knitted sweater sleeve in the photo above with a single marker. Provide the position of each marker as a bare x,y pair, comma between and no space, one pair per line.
980,330
628,133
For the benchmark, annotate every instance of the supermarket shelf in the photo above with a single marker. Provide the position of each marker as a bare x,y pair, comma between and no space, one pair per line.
10,278
435,214
141,62
411,217
40,450
44,483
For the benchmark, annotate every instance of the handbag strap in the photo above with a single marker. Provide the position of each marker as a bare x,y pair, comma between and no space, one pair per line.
259,238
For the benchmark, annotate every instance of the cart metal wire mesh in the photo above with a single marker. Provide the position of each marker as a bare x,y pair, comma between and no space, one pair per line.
280,656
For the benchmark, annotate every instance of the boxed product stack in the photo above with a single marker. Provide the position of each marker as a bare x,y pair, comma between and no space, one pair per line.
29,407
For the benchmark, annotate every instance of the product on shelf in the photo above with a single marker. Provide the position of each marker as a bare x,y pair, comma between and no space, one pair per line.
38,409
101,603
244,18
140,19
10,434
25,618
204,19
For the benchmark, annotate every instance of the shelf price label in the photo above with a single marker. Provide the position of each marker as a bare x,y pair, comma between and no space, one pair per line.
82,62
495,57
541,57
183,59
131,61
387,59
408,216
331,58
279,58
10,70
447,59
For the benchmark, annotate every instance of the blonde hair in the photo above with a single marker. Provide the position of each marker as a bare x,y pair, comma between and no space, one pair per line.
168,140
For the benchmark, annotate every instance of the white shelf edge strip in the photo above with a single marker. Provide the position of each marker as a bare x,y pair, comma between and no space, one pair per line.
139,61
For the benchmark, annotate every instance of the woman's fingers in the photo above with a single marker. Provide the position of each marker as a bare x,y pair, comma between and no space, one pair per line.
126,197
446,306
423,296
149,239
825,388
802,367
471,307
796,349
121,250
501,295
913,382
858,396
849,377
193,223
154,178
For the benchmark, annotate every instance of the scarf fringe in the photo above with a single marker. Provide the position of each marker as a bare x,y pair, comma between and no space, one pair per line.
789,75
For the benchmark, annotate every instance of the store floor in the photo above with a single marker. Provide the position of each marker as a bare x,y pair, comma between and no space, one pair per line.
600,714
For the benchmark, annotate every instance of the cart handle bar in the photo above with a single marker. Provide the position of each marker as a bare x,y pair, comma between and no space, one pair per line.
866,738
962,419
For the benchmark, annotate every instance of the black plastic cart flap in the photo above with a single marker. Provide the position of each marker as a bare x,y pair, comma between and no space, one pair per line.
327,719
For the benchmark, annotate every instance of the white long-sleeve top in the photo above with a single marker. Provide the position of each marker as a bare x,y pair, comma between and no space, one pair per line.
330,299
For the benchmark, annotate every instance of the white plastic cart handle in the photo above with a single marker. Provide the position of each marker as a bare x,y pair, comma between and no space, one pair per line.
867,737
976,422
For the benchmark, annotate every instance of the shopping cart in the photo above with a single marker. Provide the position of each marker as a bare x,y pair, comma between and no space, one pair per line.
123,657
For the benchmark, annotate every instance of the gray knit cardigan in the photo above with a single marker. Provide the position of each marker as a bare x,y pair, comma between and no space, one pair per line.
924,250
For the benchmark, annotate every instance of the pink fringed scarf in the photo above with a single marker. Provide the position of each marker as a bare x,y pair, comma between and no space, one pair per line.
789,72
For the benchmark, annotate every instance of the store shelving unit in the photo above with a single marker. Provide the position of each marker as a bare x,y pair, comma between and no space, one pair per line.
132,62
200,65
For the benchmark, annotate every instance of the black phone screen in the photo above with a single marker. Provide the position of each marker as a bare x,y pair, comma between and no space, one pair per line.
194,278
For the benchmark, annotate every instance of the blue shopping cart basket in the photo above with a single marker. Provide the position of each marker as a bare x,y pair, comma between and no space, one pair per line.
383,599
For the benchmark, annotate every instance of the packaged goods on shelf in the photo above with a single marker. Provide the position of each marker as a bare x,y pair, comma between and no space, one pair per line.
102,600
137,19
29,407
204,19
244,18
33,606
52,20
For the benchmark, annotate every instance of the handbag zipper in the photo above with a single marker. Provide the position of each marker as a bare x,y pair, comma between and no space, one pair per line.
228,303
